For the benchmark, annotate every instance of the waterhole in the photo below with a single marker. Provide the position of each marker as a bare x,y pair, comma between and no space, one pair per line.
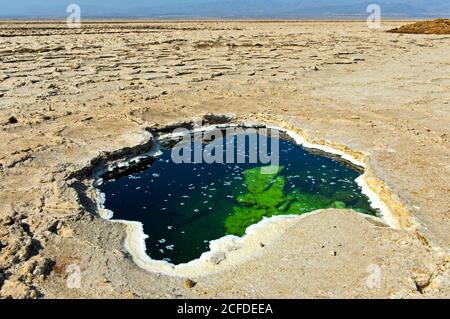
183,206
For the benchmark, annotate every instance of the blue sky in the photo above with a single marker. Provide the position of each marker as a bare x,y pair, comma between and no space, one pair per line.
222,8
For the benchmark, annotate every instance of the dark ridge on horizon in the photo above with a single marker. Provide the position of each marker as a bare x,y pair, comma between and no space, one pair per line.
226,9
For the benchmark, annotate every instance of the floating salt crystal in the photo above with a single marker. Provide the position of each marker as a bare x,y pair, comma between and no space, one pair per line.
169,227
155,175
162,241
98,182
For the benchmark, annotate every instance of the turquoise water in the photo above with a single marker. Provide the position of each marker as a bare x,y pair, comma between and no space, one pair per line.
184,206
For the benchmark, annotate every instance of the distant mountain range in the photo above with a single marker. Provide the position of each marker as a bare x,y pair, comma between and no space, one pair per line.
231,9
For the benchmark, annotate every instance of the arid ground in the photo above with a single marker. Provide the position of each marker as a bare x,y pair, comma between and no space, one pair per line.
71,99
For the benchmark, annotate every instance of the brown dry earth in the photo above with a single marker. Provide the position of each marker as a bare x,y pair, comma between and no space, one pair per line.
68,97
438,26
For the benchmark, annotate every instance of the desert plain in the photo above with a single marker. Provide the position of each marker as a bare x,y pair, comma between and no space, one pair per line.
73,99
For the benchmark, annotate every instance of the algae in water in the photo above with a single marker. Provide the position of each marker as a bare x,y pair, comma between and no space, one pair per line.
265,197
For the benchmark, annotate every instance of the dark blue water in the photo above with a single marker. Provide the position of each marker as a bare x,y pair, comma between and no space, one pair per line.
184,206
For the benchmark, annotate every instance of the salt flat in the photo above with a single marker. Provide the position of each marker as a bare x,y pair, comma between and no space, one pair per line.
68,96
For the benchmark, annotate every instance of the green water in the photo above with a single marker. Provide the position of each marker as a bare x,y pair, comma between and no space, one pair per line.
184,206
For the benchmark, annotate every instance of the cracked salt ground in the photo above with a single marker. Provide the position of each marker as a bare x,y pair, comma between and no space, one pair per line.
184,206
